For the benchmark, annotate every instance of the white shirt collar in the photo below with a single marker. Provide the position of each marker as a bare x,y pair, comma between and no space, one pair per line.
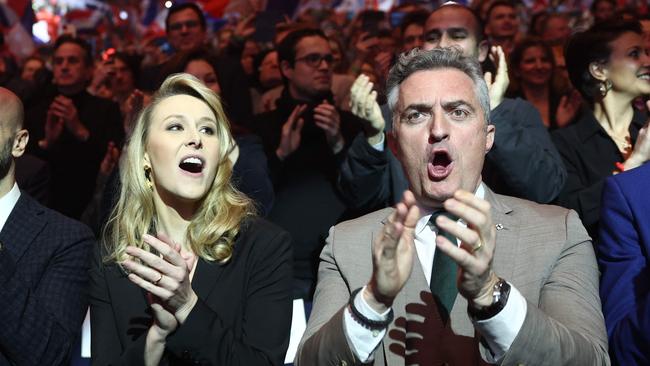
424,220
7,203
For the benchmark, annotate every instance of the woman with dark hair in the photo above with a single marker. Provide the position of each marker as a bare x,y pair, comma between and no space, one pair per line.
610,67
533,77
187,274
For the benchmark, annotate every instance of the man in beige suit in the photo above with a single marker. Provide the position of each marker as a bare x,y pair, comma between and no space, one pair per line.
506,281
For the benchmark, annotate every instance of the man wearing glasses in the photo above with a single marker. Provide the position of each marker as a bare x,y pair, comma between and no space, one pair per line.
305,137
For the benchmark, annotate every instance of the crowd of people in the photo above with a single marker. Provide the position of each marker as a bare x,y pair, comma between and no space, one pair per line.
444,184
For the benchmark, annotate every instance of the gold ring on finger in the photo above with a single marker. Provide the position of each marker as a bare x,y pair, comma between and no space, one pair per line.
478,247
158,280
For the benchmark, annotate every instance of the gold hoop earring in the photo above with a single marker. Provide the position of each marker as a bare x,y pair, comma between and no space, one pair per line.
147,176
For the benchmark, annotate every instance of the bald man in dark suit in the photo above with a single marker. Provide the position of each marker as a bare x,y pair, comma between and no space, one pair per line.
43,262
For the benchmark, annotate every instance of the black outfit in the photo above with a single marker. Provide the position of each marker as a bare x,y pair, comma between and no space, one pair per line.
522,162
590,156
307,202
553,103
43,281
242,317
251,173
74,164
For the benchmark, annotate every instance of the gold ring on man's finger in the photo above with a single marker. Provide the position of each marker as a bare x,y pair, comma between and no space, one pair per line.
478,247
158,280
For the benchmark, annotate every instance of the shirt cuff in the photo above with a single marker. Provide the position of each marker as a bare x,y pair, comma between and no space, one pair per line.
380,145
363,341
501,330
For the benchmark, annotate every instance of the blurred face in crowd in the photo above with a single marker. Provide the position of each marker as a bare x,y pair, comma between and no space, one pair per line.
311,74
456,26
184,31
69,67
248,55
536,67
604,10
336,53
270,71
442,136
203,71
182,149
557,30
629,65
30,68
123,78
502,22
412,37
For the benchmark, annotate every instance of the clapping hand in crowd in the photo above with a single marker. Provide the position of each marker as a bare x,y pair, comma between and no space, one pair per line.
568,108
497,84
327,118
290,136
363,104
62,113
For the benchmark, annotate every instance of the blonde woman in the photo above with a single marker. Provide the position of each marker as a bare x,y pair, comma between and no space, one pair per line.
187,273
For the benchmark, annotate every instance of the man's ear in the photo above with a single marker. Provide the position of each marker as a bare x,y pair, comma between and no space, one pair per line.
286,69
598,70
20,143
483,50
489,139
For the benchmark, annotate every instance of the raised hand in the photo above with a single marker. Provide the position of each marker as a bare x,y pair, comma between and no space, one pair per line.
567,108
111,158
53,128
327,118
499,85
290,137
63,108
392,255
363,104
166,276
474,256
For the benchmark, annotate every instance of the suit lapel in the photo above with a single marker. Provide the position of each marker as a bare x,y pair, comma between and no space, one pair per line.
206,277
23,225
506,224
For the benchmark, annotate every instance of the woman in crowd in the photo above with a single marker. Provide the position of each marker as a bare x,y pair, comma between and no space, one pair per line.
532,69
250,172
610,67
187,273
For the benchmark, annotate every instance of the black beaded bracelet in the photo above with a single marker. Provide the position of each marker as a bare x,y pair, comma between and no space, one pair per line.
365,322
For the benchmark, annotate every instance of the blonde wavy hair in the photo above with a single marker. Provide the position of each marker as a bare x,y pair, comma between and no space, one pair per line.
216,223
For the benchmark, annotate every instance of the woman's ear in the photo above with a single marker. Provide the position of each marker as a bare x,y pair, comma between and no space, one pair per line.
598,70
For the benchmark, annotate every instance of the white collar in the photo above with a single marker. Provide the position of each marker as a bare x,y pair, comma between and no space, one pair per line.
7,203
423,222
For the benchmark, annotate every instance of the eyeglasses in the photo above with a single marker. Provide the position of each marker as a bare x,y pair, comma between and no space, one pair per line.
314,59
179,25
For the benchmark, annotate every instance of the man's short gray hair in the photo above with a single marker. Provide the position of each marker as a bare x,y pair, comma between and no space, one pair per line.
438,58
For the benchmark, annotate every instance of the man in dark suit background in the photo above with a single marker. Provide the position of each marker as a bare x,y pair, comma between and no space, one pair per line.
43,262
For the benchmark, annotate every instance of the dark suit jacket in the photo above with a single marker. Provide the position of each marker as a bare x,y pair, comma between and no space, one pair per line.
43,278
542,250
243,315
623,253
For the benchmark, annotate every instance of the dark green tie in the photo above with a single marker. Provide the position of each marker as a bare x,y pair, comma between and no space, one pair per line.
443,272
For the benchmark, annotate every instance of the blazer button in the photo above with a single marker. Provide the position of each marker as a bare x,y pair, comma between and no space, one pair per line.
343,363
186,355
